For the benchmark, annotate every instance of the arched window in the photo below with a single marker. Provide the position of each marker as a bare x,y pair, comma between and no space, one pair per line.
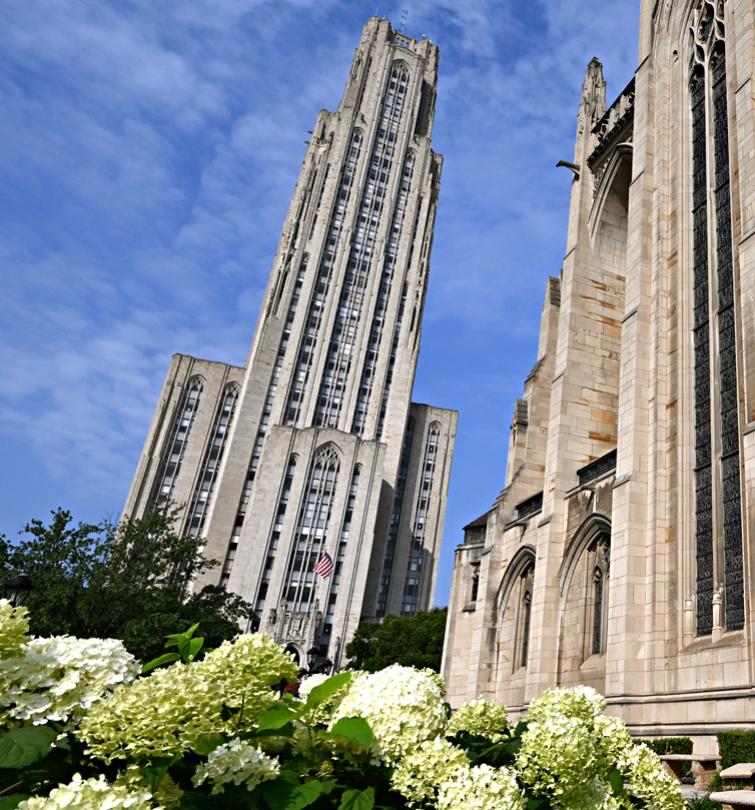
514,610
525,613
714,325
165,480
475,589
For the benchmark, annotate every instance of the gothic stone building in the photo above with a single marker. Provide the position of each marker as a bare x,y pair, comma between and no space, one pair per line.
313,446
619,552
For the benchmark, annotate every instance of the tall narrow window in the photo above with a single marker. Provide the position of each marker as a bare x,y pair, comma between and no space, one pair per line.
417,553
727,348
710,165
361,253
311,530
386,282
165,480
343,542
211,462
273,540
316,306
701,332
602,555
393,527
525,613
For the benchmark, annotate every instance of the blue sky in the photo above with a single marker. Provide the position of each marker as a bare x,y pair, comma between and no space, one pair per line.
148,151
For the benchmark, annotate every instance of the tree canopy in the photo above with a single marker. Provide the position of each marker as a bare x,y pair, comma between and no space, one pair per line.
413,641
129,580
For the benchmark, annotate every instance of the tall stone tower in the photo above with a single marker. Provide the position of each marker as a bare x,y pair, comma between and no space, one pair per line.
312,451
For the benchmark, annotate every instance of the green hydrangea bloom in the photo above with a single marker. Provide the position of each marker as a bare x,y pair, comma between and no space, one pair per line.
14,628
481,716
418,775
557,757
650,782
168,712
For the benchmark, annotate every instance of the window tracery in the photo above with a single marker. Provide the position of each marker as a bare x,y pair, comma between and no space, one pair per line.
714,314
311,530
176,444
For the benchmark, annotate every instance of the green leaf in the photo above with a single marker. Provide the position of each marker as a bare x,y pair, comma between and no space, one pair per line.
207,745
358,799
195,645
277,792
277,716
616,780
286,730
24,746
327,689
174,639
304,795
11,802
354,729
167,658
154,771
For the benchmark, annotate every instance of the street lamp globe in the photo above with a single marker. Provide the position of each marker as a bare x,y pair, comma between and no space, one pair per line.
18,588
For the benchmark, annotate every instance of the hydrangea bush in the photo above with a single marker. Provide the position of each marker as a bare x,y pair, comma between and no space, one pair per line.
223,732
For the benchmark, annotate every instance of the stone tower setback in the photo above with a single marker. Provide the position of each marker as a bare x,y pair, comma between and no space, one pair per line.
320,451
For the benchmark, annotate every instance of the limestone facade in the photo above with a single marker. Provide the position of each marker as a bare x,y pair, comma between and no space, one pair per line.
313,447
619,552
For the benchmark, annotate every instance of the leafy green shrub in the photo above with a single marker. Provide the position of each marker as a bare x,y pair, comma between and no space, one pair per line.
735,747
669,745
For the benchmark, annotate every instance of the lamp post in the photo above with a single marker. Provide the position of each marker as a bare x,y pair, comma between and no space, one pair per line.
318,663
18,588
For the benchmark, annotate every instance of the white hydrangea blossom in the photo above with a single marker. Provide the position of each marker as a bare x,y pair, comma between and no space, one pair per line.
418,776
557,756
310,682
581,702
481,716
236,763
481,788
59,678
649,780
91,794
404,707
14,628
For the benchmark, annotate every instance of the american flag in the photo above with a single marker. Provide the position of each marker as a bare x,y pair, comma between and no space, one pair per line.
324,566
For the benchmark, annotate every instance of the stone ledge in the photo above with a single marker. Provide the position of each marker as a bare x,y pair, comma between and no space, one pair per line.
734,798
742,770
